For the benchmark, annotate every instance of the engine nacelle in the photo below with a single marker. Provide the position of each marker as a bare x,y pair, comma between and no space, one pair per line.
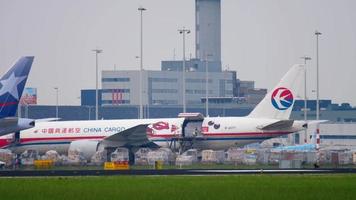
25,123
87,147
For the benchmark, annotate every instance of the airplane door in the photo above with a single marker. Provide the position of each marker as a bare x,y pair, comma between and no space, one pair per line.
16,138
192,128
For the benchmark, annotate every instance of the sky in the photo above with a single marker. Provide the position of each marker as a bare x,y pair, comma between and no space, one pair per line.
261,40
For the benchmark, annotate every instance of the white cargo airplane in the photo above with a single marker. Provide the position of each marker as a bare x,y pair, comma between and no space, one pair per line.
269,119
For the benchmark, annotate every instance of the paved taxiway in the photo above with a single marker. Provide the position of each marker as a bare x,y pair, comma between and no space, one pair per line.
26,173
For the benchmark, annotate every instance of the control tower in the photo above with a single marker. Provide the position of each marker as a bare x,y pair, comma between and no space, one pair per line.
208,29
207,40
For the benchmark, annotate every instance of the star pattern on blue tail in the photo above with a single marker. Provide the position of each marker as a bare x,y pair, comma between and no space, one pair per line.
10,85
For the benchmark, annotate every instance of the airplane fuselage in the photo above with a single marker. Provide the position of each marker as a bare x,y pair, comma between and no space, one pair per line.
210,133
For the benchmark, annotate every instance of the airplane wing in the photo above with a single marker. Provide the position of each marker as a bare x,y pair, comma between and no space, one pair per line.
311,122
47,119
8,121
289,125
286,124
14,124
279,125
135,136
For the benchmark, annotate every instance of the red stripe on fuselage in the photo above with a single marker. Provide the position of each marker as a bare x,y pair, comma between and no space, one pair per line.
8,103
224,134
60,138
4,142
246,134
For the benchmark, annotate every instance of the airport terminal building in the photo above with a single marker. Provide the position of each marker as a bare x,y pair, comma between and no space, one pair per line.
164,87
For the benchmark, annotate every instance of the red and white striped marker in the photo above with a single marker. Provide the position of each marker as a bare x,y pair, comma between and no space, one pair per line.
317,138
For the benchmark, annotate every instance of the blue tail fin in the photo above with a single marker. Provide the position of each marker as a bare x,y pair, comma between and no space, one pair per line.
12,85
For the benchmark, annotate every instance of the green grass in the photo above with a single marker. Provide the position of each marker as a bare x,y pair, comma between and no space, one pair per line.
288,187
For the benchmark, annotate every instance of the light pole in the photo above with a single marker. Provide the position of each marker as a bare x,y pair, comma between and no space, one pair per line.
56,88
206,84
97,51
317,33
141,9
139,108
305,58
183,31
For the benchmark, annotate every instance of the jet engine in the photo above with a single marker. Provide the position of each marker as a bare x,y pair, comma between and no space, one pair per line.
24,123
